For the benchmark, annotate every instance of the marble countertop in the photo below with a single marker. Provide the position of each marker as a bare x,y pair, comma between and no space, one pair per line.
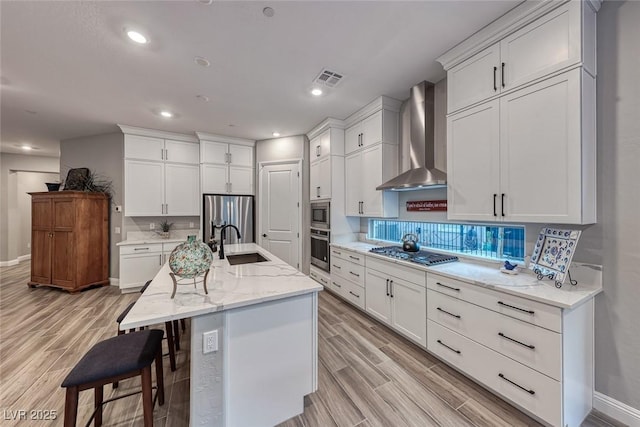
525,284
229,286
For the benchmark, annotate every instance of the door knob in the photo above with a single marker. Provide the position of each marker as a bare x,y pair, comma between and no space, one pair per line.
264,235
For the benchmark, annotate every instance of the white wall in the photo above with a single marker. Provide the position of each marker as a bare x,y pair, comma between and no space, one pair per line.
10,165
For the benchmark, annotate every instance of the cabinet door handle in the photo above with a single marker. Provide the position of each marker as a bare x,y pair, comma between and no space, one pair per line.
337,252
166,154
532,347
355,274
335,284
391,288
448,287
503,85
457,316
495,86
230,158
387,287
354,257
355,295
317,191
160,259
140,249
516,308
516,384
502,200
450,348
336,266
162,154
317,151
495,196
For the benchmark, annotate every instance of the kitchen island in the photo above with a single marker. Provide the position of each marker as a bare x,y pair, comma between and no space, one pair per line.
261,318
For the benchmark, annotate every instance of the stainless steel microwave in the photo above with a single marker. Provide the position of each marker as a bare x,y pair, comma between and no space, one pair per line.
320,214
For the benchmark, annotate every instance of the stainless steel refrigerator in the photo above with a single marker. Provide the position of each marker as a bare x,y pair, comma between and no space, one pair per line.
221,209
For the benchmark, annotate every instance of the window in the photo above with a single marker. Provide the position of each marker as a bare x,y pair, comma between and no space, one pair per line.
482,240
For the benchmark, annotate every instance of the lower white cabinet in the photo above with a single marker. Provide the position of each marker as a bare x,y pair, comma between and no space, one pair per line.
396,301
140,263
347,276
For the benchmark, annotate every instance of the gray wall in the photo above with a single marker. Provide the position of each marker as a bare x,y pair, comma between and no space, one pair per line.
10,164
102,154
289,148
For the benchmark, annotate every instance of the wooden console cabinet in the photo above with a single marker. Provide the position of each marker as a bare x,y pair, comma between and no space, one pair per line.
69,239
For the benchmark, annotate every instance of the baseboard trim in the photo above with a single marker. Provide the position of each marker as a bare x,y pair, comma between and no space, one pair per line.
114,281
615,409
9,263
24,258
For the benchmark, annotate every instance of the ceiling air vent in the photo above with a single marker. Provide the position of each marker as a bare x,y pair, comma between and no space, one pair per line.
328,78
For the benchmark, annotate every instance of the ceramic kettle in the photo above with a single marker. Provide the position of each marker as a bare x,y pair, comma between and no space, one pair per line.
410,243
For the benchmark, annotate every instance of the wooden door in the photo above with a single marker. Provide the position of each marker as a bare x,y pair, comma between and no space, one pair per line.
63,262
473,163
41,239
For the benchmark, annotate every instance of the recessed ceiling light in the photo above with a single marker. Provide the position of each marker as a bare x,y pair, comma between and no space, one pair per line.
203,98
207,2
167,114
26,147
30,111
137,37
276,134
316,92
204,62
268,12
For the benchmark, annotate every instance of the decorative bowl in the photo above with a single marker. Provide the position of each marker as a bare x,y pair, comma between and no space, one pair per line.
53,186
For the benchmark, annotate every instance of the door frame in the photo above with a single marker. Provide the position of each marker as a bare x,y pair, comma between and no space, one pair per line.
261,165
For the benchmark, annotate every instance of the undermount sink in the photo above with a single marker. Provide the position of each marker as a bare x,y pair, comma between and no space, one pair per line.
246,258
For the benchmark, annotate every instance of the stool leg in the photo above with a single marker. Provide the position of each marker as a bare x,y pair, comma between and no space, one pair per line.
98,406
147,396
176,334
183,324
71,407
172,352
160,377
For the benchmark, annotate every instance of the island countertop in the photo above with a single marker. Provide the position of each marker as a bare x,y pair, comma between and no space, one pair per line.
229,286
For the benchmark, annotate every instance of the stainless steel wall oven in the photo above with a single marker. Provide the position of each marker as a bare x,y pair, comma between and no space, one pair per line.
320,248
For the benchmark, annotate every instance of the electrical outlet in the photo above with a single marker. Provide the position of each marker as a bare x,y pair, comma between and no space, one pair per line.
191,225
117,230
209,342
28,245
152,226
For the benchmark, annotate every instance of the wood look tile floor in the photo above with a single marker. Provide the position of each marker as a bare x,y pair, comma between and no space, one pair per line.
367,375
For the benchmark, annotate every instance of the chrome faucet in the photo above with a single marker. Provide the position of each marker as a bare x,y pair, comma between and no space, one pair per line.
223,235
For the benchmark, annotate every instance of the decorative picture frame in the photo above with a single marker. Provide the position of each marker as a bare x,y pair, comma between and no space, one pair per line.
553,252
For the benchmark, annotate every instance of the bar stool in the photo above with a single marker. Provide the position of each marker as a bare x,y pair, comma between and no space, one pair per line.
114,359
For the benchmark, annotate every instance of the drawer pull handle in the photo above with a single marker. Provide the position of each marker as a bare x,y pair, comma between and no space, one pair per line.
457,316
337,252
448,287
355,295
323,281
335,284
141,249
516,308
354,257
516,384
355,274
532,347
450,348
336,266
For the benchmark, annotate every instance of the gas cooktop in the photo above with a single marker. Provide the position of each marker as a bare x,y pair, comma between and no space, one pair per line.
420,257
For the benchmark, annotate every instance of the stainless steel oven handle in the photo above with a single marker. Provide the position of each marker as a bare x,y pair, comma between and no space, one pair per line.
323,238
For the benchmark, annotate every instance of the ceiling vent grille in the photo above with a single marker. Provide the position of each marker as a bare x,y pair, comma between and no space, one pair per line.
328,78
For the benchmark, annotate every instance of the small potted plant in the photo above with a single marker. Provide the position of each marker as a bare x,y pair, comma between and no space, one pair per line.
165,226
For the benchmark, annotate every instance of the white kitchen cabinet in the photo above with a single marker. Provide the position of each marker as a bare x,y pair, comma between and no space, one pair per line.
320,146
347,276
400,303
560,39
320,179
140,263
528,156
227,164
161,175
381,126
364,171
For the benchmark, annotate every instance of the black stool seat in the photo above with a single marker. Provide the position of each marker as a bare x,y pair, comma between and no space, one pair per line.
116,356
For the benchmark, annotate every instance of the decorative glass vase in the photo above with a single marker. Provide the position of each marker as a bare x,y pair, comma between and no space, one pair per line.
190,260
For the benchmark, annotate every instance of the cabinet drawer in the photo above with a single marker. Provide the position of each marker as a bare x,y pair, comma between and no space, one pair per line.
533,312
167,248
348,290
140,249
535,347
527,388
319,276
409,274
348,270
347,255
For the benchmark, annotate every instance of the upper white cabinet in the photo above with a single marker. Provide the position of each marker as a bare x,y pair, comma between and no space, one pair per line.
320,179
553,42
528,153
227,164
326,156
161,174
320,146
371,158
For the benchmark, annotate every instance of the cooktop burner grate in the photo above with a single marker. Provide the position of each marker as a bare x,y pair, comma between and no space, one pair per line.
420,257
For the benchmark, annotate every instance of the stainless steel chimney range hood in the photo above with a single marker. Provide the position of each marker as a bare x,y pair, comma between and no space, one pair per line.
423,174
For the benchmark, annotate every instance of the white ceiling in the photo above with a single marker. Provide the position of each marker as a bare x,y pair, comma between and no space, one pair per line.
68,70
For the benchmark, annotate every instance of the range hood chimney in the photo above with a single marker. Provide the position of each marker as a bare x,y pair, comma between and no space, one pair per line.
423,173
